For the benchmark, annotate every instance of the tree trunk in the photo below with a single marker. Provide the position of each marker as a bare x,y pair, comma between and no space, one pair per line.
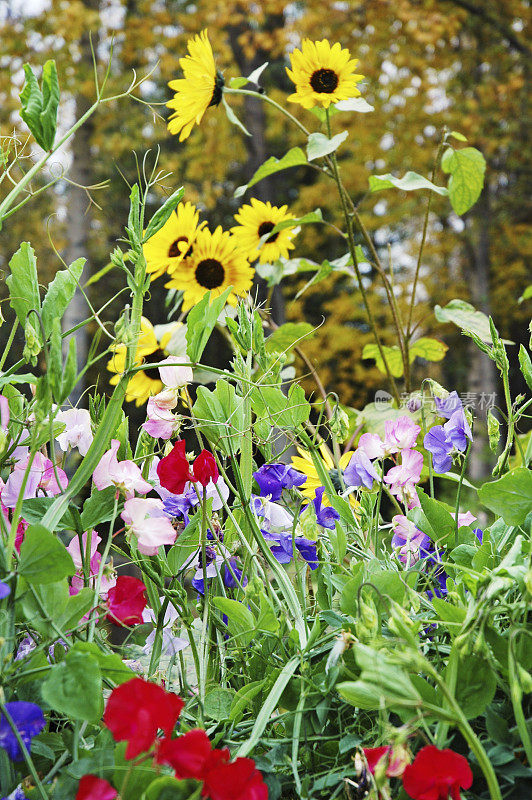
78,212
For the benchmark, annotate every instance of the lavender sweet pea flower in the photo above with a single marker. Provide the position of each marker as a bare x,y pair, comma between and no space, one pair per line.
232,576
447,407
283,549
325,515
273,478
411,543
437,443
360,471
29,721
457,430
18,794
5,591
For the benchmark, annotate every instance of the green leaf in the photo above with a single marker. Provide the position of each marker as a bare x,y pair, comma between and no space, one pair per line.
476,685
320,145
283,411
306,219
392,355
354,104
47,602
39,107
293,158
168,788
232,117
526,366
459,136
509,497
98,508
220,416
467,167
218,704
34,509
240,620
527,294
23,284
201,321
139,777
429,349
185,547
440,520
411,182
111,665
466,317
43,558
74,687
288,335
163,214
60,292
267,620
253,77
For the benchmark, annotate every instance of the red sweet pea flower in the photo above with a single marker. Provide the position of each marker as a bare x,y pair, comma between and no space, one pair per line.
93,788
136,710
238,780
191,755
174,470
126,601
205,468
396,759
437,775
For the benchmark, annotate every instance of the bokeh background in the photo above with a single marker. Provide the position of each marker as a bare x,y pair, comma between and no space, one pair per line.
428,63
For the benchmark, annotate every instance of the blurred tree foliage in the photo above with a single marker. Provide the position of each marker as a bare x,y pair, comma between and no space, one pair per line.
428,63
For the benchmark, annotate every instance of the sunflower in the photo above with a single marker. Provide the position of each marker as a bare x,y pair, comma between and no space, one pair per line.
174,242
201,87
141,385
304,463
256,220
215,264
322,74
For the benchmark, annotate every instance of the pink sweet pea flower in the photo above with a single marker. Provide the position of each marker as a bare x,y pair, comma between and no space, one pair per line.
4,419
400,434
77,582
125,475
406,473
41,480
74,548
174,375
372,445
161,422
147,521
465,519
78,431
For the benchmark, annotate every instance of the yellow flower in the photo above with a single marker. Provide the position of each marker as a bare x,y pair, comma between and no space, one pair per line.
172,245
215,264
201,87
142,385
256,220
322,74
304,463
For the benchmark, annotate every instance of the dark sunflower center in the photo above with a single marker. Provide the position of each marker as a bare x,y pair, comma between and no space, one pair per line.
218,89
334,475
324,81
210,273
155,357
174,251
266,227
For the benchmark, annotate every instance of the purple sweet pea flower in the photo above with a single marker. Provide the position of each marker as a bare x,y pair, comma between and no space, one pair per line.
283,549
28,719
360,471
411,543
457,430
5,591
18,794
437,443
325,515
447,407
273,478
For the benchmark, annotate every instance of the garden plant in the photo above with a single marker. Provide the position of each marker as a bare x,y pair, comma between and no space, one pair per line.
261,593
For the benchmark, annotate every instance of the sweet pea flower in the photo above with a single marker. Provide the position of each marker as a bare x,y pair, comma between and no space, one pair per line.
136,710
446,406
77,432
407,473
146,520
283,548
5,590
93,788
179,505
273,478
161,422
171,644
29,721
395,759
412,543
18,794
77,582
218,561
75,550
236,780
360,471
440,447
173,374
457,430
437,774
400,434
174,470
372,445
205,468
126,601
41,480
124,475
4,419
326,516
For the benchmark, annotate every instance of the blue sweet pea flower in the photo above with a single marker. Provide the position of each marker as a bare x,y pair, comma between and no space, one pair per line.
29,721
360,471
18,794
273,478
437,443
5,591
325,515
447,407
283,549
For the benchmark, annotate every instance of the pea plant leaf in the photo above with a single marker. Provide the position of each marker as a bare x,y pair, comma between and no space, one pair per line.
466,317
40,105
466,167
23,283
163,214
60,292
